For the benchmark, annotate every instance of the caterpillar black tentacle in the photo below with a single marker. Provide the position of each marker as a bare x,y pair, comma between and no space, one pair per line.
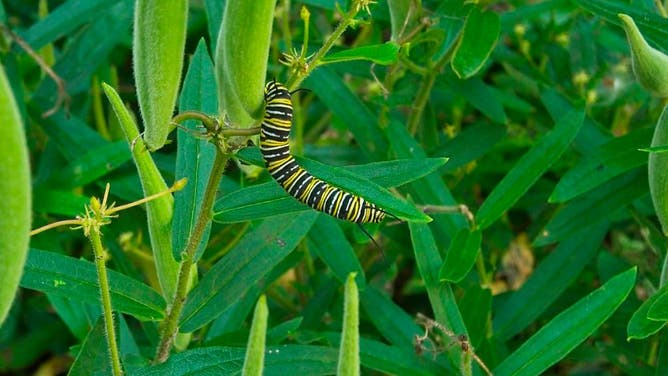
298,182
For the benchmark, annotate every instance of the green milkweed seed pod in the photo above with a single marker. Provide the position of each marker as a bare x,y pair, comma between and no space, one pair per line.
658,171
649,65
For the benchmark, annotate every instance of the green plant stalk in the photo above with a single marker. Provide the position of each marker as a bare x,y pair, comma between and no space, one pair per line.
349,351
254,360
296,78
99,254
158,211
170,325
212,125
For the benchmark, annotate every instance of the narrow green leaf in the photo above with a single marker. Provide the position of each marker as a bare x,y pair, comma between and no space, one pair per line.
429,190
392,360
349,350
335,250
64,19
159,211
478,39
392,321
66,203
249,261
95,163
254,360
383,54
608,160
461,255
214,17
363,187
194,156
658,311
347,106
402,17
640,325
568,329
529,168
652,25
15,190
264,200
655,149
93,354
280,360
386,173
482,96
157,56
241,58
72,278
551,278
441,296
595,207
85,54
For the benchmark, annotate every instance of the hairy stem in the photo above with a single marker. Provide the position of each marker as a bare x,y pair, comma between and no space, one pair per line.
99,253
170,325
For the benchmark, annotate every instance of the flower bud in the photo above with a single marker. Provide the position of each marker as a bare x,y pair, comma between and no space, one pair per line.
649,65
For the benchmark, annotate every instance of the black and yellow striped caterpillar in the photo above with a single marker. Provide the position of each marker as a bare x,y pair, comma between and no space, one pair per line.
298,182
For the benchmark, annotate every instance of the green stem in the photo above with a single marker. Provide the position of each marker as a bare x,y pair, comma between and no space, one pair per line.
212,126
299,76
99,253
170,325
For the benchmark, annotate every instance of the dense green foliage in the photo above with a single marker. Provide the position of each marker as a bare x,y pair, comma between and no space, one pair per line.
505,136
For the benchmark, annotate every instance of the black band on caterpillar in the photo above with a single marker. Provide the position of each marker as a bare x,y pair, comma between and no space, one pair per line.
298,182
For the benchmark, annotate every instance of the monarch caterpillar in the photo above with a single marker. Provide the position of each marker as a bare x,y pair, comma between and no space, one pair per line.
298,182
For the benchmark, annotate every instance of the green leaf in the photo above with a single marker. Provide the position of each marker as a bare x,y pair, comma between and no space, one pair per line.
529,168
347,106
548,281
73,278
95,163
263,200
159,211
65,19
93,354
157,56
335,250
349,349
383,54
441,296
658,311
594,207
392,322
280,360
64,203
653,26
15,190
608,160
392,360
429,190
194,156
241,58
478,39
640,325
568,329
254,360
655,149
249,261
461,255
84,55
363,187
482,96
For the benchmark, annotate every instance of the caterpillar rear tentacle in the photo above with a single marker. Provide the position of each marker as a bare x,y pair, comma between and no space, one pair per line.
299,183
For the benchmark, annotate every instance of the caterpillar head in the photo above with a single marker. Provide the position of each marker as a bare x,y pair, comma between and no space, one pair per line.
274,90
